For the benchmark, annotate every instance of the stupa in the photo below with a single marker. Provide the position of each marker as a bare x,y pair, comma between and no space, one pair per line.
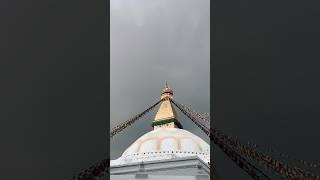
167,145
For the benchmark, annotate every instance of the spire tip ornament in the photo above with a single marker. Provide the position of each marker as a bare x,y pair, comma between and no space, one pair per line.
166,93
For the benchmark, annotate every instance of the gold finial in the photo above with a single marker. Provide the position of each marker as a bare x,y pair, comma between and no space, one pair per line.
166,92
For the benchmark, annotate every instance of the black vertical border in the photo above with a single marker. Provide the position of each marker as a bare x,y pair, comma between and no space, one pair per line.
108,14
212,105
53,79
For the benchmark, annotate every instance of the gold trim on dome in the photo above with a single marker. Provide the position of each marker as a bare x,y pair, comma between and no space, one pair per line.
159,140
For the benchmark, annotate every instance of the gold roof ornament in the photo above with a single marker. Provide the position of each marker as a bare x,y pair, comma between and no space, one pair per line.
166,116
166,92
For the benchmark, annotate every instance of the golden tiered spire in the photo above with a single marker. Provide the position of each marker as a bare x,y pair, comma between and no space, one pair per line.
166,116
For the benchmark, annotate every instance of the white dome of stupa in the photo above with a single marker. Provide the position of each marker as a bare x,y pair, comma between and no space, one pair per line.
166,141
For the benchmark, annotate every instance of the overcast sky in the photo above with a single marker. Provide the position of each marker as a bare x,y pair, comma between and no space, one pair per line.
151,42
265,77
53,104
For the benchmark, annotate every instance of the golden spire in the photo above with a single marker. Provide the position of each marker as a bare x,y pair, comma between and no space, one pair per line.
166,116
